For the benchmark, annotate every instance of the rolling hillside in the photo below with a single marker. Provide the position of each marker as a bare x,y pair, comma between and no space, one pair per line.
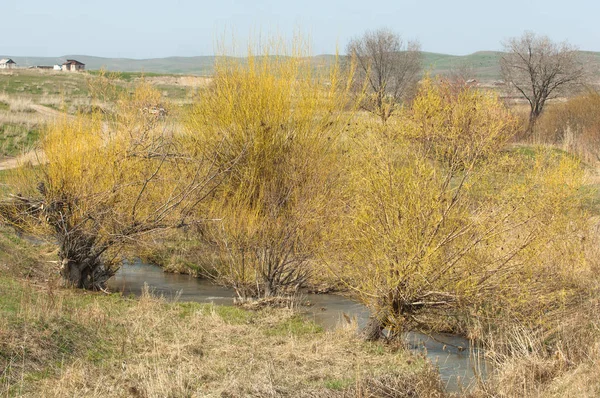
484,63
202,65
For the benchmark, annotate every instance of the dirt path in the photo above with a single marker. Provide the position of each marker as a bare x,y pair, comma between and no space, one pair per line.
33,158
49,112
10,163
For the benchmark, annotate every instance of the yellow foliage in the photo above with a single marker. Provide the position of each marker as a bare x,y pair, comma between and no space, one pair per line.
109,180
444,218
573,126
276,119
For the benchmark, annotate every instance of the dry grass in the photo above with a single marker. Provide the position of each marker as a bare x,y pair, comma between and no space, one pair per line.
54,101
581,382
558,358
573,125
17,109
26,119
558,363
61,343
20,104
184,81
56,343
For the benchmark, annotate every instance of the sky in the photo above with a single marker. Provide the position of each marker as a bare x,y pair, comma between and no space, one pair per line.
152,29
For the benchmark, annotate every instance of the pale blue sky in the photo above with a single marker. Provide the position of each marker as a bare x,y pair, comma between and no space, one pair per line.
153,28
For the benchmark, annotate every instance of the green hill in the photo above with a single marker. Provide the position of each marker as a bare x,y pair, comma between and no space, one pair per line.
485,64
202,65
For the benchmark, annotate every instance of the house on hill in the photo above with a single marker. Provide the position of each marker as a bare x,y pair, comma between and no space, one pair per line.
7,63
73,66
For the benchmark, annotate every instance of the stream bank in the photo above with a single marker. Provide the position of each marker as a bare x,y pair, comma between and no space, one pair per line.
454,356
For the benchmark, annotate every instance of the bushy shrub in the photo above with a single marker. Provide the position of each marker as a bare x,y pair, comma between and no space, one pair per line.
445,222
274,121
574,126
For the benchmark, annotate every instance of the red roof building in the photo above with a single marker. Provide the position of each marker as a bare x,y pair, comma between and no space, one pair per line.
73,66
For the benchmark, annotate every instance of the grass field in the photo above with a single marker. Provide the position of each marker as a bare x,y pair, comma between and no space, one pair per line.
485,64
17,138
36,83
31,98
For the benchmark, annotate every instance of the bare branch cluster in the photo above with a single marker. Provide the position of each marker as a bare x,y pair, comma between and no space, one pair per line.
540,69
387,68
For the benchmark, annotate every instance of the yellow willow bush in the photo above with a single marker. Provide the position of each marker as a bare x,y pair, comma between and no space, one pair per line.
445,223
109,181
574,126
279,119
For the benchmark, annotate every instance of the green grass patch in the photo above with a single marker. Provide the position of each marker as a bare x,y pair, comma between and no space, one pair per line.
173,92
17,138
294,326
10,291
531,152
35,84
128,76
20,258
231,315
338,384
591,198
39,331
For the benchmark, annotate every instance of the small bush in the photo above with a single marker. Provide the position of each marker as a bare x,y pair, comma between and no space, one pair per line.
574,126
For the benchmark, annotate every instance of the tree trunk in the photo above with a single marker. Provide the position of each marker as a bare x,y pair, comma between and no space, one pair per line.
531,127
88,274
373,331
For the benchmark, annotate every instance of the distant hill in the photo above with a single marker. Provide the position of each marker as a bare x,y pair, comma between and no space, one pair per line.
485,64
202,65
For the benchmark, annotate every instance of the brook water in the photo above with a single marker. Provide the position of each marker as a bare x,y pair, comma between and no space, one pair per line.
452,354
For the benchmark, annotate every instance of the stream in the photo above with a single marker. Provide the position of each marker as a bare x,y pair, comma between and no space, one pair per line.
452,354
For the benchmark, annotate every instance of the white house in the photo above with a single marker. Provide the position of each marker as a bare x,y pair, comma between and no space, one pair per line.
7,63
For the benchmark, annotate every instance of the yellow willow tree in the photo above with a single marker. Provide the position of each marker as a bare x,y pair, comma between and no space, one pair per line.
109,180
278,117
444,219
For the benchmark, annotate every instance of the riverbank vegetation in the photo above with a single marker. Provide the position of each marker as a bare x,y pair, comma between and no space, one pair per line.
56,342
110,179
274,180
279,124
445,219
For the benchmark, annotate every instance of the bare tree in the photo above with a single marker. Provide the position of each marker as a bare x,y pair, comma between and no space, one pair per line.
386,67
539,70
